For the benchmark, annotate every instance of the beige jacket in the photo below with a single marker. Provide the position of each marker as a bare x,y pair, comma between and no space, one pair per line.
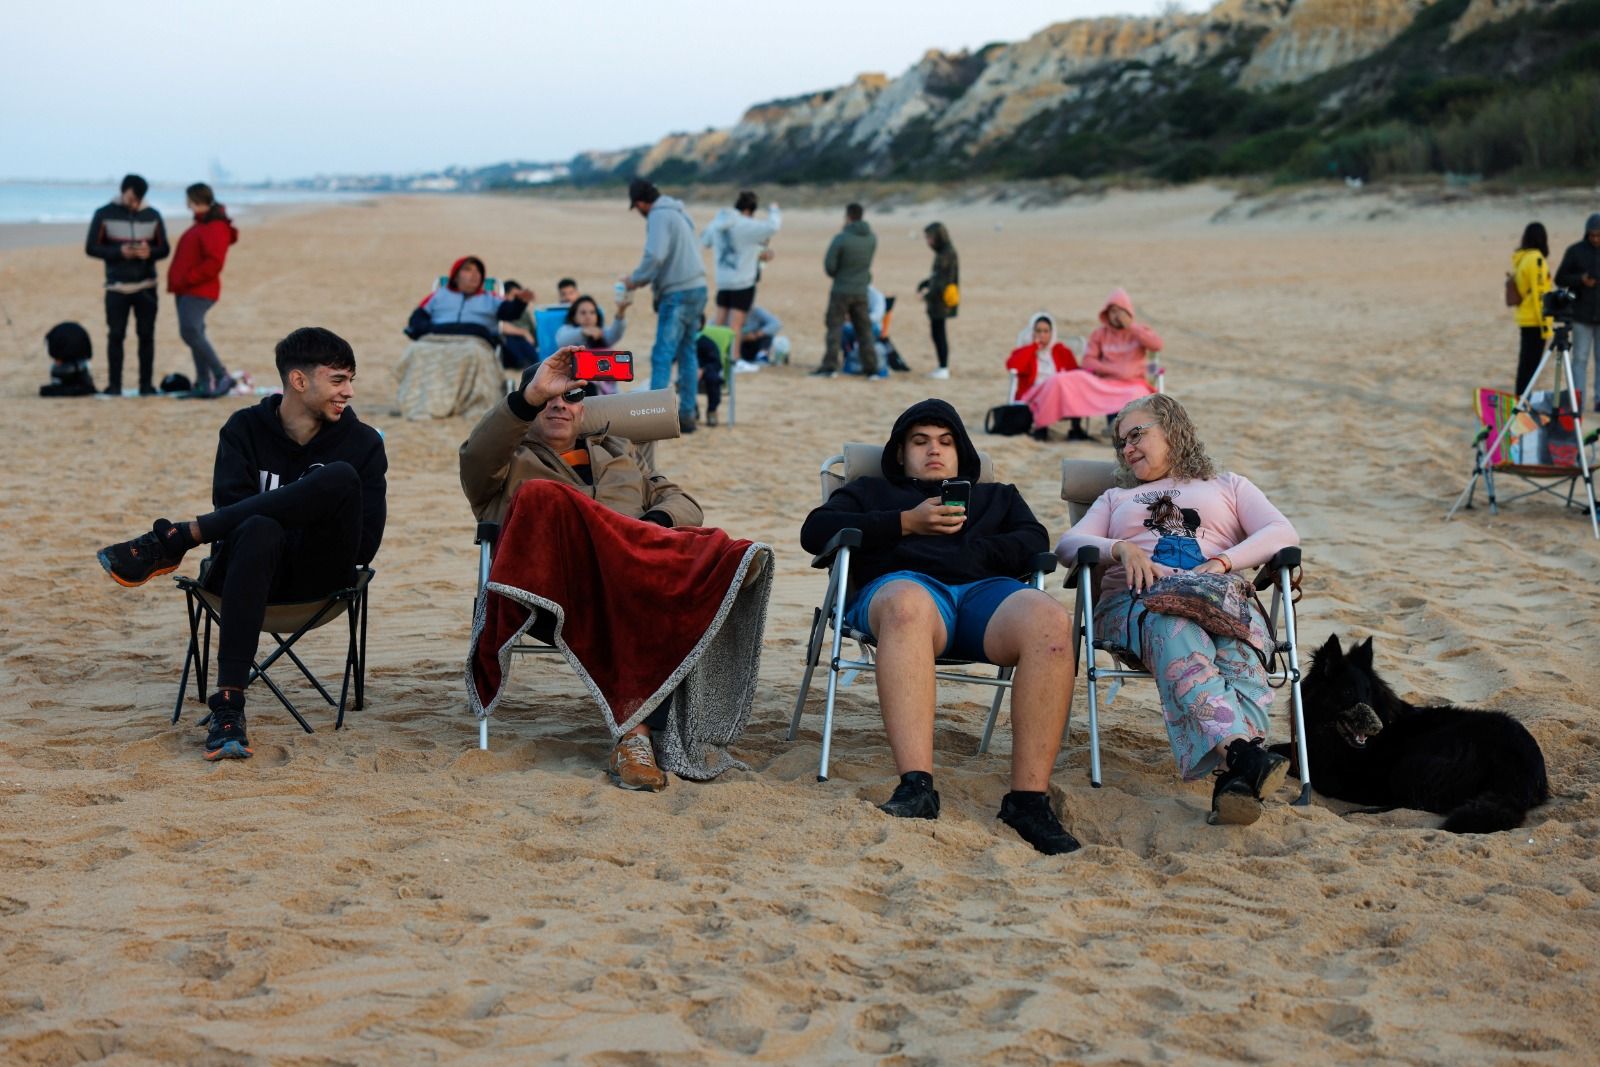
500,455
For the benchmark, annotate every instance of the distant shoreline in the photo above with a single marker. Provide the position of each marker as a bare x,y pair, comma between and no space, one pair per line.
15,235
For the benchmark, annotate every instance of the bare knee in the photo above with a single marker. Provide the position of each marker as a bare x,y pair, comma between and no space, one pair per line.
902,607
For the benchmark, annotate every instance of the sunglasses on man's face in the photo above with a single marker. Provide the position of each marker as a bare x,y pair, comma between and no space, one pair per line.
574,396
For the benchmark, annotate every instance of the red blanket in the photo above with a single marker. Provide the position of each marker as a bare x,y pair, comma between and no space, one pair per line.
635,604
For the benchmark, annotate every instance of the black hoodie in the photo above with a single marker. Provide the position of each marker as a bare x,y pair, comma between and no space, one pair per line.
999,540
117,224
255,455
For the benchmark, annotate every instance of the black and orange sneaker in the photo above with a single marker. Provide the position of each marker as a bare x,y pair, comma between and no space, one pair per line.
227,738
150,555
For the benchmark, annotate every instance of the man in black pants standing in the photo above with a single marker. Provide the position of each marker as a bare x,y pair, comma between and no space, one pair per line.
299,496
130,236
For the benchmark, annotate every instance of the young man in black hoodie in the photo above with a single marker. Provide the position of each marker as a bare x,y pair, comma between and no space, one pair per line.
937,580
299,493
130,236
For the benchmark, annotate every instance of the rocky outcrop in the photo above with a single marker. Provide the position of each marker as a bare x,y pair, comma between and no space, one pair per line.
1317,35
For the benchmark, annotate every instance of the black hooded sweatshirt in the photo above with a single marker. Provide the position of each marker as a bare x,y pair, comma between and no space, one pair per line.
999,540
255,454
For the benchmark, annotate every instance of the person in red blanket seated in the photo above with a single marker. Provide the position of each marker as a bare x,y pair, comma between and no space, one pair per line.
941,580
533,434
1038,357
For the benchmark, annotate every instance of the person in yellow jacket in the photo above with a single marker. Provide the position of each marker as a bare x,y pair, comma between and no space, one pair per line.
1531,272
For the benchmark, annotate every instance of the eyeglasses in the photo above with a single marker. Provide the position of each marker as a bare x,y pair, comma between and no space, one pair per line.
1133,436
574,396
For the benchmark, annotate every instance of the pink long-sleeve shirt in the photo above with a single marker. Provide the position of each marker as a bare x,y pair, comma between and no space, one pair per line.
1114,353
1234,516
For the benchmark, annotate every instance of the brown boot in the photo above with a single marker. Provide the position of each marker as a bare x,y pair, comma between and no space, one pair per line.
633,765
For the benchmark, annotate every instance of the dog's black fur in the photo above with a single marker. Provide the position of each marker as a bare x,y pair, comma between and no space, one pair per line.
1481,770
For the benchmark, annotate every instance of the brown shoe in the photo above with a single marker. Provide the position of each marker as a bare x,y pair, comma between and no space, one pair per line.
633,765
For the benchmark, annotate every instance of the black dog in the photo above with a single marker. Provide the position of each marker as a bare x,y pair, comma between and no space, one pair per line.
1481,770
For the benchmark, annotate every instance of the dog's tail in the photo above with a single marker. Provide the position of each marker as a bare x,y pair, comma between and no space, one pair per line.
1486,813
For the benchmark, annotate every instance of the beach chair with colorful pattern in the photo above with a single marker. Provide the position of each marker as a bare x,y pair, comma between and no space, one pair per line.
1538,444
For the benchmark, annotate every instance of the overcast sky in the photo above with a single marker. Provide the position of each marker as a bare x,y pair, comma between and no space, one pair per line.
291,88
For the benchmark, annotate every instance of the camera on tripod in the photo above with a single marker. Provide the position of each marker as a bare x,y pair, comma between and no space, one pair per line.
1558,304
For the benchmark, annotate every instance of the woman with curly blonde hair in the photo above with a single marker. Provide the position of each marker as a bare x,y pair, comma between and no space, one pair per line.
1172,511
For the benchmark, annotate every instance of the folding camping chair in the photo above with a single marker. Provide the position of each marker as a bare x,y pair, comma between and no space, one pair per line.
1082,482
640,417
1536,438
860,461
295,619
546,322
722,337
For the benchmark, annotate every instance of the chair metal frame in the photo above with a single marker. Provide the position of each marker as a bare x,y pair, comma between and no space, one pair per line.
314,614
488,533
835,558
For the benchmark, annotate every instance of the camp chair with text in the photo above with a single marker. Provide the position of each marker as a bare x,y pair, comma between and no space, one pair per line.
1082,483
204,609
861,461
642,418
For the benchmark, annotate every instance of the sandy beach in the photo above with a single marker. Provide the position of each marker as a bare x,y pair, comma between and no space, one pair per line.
388,893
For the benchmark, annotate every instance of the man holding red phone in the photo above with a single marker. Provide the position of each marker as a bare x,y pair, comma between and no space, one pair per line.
938,570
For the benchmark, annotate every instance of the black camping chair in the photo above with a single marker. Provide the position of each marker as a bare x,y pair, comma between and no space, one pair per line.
296,619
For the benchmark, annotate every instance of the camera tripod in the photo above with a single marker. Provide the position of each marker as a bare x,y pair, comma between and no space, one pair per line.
1561,348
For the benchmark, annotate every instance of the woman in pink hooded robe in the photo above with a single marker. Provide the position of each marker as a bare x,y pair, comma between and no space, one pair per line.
1115,368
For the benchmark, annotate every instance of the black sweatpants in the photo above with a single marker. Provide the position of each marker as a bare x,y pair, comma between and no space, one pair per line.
144,304
297,542
1529,352
941,346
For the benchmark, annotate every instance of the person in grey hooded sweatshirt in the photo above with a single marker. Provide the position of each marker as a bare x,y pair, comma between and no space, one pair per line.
1580,272
671,266
739,240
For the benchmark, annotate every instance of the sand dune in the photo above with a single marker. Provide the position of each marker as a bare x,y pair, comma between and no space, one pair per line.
390,894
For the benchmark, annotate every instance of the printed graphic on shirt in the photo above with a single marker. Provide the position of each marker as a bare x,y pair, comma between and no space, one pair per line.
1176,527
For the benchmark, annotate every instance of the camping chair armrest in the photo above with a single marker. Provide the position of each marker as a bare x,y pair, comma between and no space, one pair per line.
849,537
1088,558
1042,563
488,533
1267,573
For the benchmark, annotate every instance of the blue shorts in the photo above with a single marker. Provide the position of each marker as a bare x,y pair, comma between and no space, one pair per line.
965,609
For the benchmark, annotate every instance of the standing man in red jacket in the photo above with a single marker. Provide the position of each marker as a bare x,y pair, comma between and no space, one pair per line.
195,277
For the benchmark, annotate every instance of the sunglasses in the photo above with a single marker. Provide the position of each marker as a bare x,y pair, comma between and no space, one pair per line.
1133,437
574,396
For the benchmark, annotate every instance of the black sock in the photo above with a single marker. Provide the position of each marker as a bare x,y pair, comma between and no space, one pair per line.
176,539
226,700
920,779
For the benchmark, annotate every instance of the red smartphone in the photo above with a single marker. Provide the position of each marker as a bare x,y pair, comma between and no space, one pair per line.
602,365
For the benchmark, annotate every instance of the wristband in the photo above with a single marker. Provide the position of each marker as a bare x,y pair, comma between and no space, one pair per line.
1227,564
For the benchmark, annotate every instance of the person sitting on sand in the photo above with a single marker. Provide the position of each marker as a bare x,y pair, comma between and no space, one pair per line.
760,330
941,580
464,306
585,327
300,499
1038,357
566,292
534,434
519,337
1116,368
1173,512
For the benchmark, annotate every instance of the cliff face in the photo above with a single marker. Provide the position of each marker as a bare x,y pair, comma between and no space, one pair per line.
1065,79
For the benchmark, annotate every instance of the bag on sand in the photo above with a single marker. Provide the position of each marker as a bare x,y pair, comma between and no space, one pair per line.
1008,420
1513,296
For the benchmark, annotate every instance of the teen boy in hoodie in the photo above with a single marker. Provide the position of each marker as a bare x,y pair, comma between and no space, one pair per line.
941,580
671,266
299,492
130,236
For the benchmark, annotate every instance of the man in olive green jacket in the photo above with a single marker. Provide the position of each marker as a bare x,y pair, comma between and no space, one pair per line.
849,263
534,433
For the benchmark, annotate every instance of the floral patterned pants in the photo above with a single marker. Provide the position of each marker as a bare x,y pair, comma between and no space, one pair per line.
1211,687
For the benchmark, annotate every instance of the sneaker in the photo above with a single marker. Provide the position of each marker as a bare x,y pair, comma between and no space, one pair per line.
150,555
227,738
222,388
939,373
1252,774
824,372
686,424
1031,816
711,418
916,799
1041,434
111,390
149,390
1077,433
633,765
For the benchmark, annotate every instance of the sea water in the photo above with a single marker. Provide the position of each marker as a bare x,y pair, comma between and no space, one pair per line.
26,202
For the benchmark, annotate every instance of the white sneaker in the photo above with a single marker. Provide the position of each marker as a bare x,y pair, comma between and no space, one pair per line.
745,366
939,373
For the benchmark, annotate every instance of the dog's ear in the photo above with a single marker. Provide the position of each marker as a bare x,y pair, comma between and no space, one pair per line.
1361,655
1330,652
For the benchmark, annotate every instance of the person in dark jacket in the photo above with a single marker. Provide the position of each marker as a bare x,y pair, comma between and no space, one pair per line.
70,353
195,280
130,236
299,494
1580,272
940,580
849,263
935,292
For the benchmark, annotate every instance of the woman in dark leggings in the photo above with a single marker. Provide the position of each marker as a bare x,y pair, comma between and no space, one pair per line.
946,274
1531,272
